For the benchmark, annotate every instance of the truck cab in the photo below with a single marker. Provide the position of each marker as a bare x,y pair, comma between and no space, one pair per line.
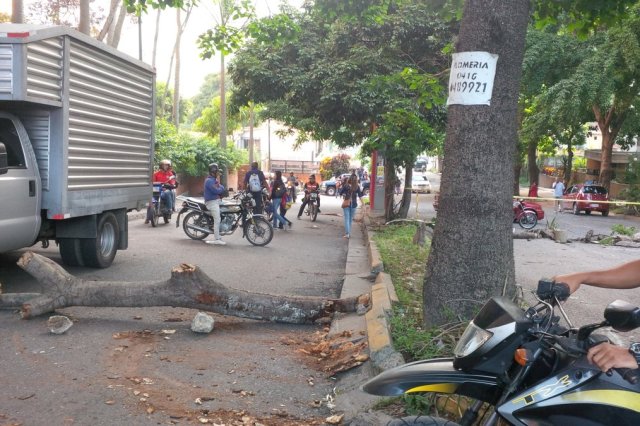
19,186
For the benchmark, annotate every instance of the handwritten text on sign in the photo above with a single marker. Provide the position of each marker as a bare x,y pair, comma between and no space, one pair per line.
471,78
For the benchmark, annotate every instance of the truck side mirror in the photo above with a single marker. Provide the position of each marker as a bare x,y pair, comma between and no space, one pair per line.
4,162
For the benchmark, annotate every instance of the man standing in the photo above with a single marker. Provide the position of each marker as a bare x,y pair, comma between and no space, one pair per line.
213,191
254,182
558,192
292,182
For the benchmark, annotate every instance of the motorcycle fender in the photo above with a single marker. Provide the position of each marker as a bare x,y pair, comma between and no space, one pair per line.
182,210
437,375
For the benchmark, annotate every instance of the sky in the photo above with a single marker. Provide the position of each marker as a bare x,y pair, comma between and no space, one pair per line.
193,69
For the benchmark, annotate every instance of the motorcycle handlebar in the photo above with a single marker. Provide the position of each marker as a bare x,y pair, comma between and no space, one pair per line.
548,289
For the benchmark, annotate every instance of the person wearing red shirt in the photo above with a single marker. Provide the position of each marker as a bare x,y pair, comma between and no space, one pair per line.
309,187
167,177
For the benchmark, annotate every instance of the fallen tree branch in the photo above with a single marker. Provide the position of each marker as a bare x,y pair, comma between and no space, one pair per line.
188,287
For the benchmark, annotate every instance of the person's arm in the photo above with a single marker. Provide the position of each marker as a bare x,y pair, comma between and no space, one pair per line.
623,276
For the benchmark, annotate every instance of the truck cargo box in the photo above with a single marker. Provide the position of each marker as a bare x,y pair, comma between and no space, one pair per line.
89,112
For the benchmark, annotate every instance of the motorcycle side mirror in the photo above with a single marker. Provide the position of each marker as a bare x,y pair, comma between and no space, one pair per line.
622,316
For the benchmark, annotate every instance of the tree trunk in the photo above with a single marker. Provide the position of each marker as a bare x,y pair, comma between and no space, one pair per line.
223,119
532,162
471,256
117,31
17,12
176,80
155,39
389,188
188,287
84,23
251,123
406,194
517,168
567,170
113,8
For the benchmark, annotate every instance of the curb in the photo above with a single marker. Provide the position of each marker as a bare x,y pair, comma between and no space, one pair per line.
383,354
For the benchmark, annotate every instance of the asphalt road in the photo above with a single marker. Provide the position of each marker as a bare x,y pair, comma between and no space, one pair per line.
99,371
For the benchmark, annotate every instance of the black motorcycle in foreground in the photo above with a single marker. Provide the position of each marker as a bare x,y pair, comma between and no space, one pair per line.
521,367
198,222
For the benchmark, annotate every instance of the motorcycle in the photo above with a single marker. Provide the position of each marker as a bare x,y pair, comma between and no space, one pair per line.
198,222
157,206
524,215
311,209
522,367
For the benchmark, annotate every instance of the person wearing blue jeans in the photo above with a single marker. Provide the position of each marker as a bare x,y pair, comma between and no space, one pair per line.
278,190
350,191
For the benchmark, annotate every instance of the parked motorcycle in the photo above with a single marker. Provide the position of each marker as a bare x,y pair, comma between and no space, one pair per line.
522,367
198,222
157,207
524,215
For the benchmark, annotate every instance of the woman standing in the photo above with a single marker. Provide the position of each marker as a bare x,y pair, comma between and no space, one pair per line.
351,192
278,190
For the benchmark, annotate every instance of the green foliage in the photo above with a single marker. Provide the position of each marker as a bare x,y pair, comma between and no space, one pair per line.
164,104
226,38
209,120
192,155
334,166
624,230
209,89
632,172
341,66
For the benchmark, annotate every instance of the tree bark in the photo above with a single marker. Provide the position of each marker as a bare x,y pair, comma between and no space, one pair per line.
113,8
475,203
117,30
176,80
84,23
17,11
155,39
188,287
532,162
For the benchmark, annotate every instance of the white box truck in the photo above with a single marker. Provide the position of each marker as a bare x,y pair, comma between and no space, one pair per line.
76,142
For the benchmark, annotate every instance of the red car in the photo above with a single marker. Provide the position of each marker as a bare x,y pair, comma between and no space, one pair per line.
530,205
585,198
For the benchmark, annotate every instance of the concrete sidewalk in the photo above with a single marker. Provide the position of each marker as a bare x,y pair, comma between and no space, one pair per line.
364,274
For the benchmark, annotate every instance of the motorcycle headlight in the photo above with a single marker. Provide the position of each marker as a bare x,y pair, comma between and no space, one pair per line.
472,338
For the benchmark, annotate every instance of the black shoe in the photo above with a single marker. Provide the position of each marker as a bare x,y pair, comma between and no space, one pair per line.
319,210
280,227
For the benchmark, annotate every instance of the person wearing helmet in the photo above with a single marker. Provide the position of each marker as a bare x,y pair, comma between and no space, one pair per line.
213,193
167,177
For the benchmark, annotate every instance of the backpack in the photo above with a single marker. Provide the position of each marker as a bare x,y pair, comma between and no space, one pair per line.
254,183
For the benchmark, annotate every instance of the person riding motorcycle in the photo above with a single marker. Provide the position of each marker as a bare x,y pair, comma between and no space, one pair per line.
167,177
606,355
309,187
213,193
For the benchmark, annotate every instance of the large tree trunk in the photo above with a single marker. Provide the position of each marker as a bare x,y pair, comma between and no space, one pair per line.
609,124
389,188
223,120
406,194
251,124
471,255
188,287
17,11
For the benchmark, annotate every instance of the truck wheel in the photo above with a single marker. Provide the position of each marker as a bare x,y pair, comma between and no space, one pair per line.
100,251
331,191
71,252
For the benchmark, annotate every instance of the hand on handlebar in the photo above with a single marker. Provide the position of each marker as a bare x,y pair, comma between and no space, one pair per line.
607,356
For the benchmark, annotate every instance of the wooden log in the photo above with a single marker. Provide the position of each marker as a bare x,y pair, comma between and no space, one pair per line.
188,287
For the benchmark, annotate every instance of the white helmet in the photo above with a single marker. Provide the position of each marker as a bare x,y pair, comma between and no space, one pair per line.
167,162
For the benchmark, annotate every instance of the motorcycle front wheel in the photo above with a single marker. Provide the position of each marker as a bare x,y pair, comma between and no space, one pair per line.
314,211
421,421
528,219
195,220
258,231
